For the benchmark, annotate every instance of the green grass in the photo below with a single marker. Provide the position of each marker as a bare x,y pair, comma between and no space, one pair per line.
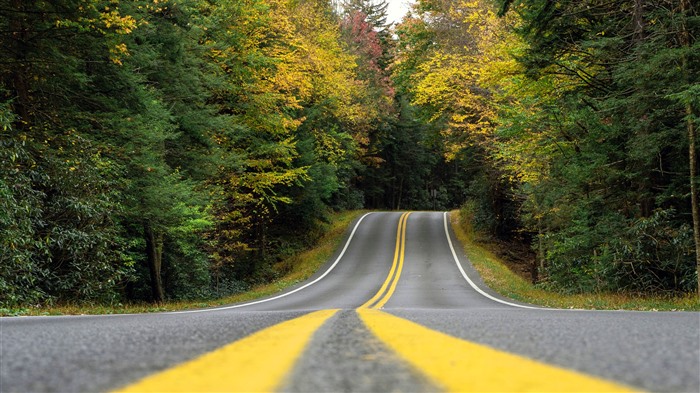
500,278
296,269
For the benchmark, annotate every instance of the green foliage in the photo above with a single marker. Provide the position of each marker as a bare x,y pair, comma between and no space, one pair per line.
654,254
20,209
187,274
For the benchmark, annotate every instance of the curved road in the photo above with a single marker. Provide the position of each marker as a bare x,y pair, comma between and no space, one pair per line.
394,310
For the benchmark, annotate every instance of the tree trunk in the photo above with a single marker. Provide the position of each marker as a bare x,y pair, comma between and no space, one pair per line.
638,16
692,156
18,76
154,251
538,266
398,203
694,188
263,239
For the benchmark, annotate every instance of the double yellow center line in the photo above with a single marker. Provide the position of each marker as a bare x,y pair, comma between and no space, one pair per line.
383,295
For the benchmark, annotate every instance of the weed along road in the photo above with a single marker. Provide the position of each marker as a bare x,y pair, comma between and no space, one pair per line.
398,308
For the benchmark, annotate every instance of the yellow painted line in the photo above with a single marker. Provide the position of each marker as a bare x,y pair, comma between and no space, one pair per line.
462,366
391,290
393,266
394,263
257,363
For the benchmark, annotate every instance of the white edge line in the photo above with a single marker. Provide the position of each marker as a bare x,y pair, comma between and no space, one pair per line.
337,260
476,288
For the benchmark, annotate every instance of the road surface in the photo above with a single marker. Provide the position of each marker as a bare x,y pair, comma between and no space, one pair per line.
398,308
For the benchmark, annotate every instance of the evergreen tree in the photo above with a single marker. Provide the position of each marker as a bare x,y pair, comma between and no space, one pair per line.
375,12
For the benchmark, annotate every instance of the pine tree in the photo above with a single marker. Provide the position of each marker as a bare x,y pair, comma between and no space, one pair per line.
375,12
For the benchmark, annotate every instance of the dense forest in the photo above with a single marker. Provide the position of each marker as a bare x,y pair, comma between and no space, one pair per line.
176,149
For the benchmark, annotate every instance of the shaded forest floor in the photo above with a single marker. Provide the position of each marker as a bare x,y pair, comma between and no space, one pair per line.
516,255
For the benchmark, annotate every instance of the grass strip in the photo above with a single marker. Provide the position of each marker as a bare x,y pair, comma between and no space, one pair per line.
501,279
297,269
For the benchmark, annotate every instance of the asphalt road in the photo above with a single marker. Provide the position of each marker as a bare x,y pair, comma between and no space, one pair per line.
640,350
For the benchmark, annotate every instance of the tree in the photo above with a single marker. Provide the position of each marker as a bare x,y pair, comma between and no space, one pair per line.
375,12
168,141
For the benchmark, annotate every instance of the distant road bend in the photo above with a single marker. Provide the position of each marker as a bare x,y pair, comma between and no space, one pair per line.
398,308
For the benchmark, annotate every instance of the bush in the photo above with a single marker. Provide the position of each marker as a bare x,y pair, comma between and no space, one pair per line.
653,255
610,253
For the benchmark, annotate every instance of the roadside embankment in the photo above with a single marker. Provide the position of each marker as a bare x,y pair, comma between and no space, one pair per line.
500,278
